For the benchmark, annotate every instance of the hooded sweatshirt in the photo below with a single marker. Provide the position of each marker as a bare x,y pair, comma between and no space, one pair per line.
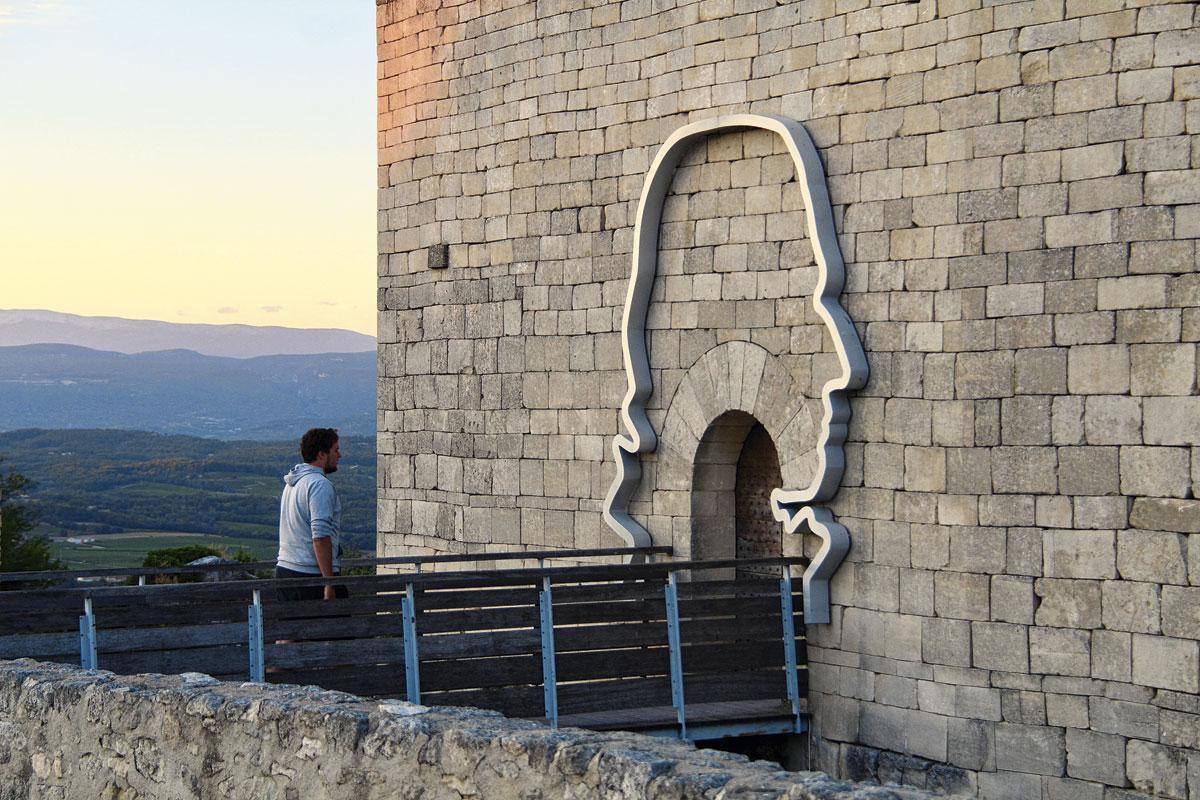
309,509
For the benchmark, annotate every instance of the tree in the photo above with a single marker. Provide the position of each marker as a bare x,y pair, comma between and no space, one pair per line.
18,552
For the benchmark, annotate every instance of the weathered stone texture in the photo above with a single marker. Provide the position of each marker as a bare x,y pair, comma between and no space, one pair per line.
1016,189
75,733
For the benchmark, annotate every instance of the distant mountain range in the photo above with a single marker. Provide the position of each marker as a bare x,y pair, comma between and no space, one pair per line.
24,326
273,397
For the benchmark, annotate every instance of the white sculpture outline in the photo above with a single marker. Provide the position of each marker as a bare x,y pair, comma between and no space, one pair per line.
792,507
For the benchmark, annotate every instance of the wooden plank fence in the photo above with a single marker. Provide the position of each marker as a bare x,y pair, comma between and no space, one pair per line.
692,649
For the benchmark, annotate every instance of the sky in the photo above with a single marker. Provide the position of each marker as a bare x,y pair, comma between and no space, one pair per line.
189,161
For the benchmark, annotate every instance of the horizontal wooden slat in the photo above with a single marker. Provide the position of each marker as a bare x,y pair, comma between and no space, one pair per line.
221,660
604,637
477,619
385,650
185,614
365,626
729,657
40,645
738,588
374,603
472,673
596,695
127,640
608,592
427,599
665,715
598,637
741,685
479,644
57,620
729,606
647,610
600,664
741,629
513,701
67,601
368,681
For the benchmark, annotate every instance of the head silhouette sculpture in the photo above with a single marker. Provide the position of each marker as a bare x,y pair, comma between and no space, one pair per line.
793,507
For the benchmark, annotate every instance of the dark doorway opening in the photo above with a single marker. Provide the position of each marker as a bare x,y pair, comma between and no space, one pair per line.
757,533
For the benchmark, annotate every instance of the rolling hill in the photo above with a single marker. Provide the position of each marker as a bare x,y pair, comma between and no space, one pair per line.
273,397
119,335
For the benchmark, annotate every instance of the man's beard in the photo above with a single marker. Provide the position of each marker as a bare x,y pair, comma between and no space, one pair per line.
330,470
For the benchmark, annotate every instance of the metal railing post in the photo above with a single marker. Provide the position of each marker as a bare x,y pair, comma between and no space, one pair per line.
87,636
412,670
671,594
549,675
789,644
254,637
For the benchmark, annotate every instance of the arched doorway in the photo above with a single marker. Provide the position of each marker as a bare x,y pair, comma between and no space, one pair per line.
757,534
736,468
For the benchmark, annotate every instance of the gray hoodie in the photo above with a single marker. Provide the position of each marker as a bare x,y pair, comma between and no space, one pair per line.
309,509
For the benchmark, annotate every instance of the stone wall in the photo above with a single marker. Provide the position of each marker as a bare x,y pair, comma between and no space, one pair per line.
68,733
1016,191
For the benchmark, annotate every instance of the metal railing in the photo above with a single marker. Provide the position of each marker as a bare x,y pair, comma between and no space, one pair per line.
620,644
49,576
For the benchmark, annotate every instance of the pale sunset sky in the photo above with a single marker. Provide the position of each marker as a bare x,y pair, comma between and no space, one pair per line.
184,161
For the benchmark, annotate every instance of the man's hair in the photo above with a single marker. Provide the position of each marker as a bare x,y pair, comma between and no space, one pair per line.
316,441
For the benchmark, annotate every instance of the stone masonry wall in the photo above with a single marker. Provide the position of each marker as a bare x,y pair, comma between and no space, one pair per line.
1016,190
69,733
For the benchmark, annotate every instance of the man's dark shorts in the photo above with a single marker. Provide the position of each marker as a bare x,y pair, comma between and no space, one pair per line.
316,592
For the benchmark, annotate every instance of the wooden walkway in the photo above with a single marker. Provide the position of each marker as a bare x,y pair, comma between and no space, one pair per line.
690,649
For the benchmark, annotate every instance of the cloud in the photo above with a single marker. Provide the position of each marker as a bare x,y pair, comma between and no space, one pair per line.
15,13
227,310
272,309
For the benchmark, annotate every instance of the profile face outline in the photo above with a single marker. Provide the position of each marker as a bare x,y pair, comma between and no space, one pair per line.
793,507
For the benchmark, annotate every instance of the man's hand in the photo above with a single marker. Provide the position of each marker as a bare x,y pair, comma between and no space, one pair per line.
323,550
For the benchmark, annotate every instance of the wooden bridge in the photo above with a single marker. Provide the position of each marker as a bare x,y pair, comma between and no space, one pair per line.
695,649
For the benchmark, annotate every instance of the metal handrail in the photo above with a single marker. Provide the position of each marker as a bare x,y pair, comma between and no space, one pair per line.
515,577
446,558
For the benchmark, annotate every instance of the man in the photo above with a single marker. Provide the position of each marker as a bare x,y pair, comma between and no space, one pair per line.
310,517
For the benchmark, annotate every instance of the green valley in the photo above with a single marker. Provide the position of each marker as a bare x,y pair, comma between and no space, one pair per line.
105,485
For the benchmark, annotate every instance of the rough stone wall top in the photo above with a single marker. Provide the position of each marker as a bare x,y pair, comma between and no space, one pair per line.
1016,191
72,733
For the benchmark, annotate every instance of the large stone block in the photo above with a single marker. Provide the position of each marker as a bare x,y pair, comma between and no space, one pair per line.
1166,663
1024,470
1057,651
1068,603
1096,757
946,641
1030,749
1165,514
1172,420
1153,556
1098,369
999,646
1133,720
1131,606
1181,611
1080,554
1157,770
961,595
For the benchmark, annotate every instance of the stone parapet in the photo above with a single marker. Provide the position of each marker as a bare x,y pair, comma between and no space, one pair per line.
70,733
